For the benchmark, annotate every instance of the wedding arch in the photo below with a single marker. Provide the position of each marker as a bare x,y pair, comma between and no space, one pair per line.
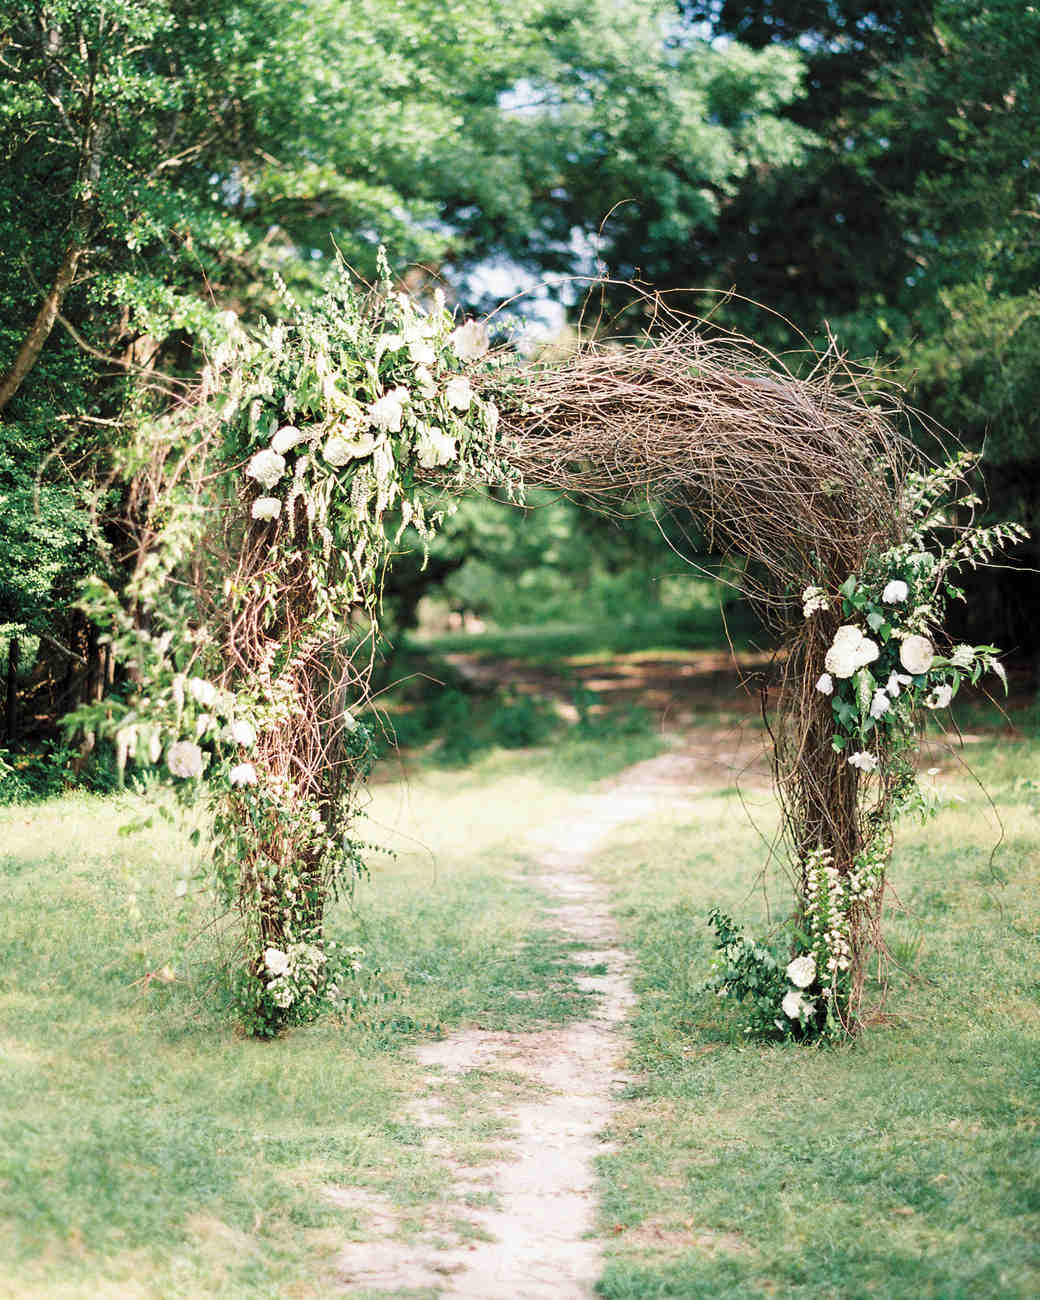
271,502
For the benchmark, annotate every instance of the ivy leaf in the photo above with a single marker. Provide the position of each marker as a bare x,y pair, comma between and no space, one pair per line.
838,743
875,620
848,587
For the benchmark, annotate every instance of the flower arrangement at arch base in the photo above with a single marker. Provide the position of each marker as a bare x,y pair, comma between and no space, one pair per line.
883,672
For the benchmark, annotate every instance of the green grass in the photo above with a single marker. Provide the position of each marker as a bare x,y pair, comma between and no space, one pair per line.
905,1165
146,1149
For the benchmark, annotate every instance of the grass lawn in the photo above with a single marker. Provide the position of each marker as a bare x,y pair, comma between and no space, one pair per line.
148,1150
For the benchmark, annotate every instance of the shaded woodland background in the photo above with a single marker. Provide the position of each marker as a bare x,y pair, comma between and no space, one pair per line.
862,170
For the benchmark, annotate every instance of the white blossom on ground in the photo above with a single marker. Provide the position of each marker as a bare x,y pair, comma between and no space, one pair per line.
387,411
470,341
287,437
879,705
826,684
266,467
802,971
435,447
850,651
339,451
458,393
202,692
940,697
242,774
916,654
896,592
266,508
864,761
276,961
963,656
895,681
184,759
813,598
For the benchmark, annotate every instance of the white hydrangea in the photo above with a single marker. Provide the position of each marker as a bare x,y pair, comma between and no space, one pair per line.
387,411
802,971
896,592
850,651
184,759
813,598
940,697
470,340
826,684
339,450
458,393
436,447
266,508
287,437
202,692
266,467
242,774
916,654
276,961
864,761
963,656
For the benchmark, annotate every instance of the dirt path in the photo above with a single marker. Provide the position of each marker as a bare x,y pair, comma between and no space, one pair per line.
534,1208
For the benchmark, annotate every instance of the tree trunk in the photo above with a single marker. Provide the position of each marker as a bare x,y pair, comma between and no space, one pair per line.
11,703
43,324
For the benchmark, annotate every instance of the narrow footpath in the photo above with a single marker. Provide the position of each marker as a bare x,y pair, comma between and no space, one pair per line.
534,1209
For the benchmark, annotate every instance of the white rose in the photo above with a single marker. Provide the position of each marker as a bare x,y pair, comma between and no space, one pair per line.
276,961
795,1006
184,759
435,447
242,774
240,733
826,684
458,393
425,382
421,353
470,341
338,451
864,761
203,692
896,592
287,437
267,467
802,971
916,654
266,508
386,412
850,651
963,656
940,697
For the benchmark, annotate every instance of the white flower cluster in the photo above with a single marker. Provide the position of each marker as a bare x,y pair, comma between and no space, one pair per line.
814,598
294,972
826,906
